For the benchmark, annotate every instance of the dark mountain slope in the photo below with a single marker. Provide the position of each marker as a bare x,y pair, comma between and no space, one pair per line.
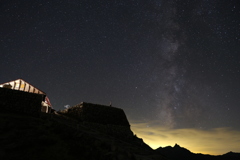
61,138
54,136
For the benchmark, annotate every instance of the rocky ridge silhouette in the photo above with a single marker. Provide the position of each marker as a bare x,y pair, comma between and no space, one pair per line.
180,153
61,137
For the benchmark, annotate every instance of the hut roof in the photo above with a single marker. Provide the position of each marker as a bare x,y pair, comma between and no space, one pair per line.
21,85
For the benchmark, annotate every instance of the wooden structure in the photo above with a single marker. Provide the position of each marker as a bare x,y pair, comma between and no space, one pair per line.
24,86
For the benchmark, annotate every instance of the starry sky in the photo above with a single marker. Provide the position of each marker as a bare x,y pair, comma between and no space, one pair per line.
172,65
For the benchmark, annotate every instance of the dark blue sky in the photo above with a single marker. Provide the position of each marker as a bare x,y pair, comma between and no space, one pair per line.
173,62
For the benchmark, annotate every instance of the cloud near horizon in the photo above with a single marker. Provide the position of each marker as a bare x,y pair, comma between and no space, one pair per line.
215,141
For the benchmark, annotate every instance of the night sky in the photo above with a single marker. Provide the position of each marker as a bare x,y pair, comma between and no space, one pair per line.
172,65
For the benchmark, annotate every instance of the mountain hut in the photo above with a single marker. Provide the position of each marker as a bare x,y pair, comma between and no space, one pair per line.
24,86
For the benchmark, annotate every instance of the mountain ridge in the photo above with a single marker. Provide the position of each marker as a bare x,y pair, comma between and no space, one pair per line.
56,136
177,152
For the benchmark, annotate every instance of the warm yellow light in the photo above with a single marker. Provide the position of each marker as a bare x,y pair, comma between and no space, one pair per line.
215,141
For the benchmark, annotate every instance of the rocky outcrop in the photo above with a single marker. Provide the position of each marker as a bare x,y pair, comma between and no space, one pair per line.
95,113
105,119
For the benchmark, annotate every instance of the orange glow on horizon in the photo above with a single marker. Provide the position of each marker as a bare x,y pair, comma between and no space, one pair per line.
216,141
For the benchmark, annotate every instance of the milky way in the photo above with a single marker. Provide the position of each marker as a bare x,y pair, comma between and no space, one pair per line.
183,83
172,64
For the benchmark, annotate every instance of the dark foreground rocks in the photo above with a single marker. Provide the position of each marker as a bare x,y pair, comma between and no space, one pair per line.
57,137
